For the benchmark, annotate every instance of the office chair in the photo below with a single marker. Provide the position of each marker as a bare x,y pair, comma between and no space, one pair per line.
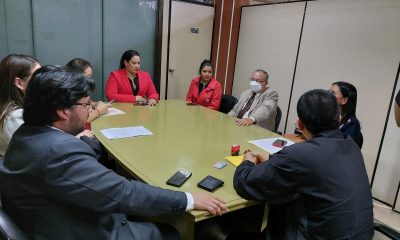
386,230
278,119
8,229
227,103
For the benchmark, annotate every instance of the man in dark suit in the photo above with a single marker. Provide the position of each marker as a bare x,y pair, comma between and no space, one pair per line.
258,104
54,188
317,189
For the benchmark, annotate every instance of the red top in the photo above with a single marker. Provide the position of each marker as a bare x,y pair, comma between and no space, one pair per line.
119,88
210,97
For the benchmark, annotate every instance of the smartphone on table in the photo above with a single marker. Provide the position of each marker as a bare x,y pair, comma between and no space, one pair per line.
279,143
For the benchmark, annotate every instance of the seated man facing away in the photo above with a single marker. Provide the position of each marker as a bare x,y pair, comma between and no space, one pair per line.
53,187
258,104
319,186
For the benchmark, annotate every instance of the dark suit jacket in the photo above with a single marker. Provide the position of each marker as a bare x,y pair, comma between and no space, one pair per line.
53,187
263,108
327,174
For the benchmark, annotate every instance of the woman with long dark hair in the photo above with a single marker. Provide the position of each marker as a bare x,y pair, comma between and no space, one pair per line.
15,72
346,96
205,90
129,83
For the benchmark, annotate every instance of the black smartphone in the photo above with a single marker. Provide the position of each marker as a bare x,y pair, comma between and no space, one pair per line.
279,143
179,178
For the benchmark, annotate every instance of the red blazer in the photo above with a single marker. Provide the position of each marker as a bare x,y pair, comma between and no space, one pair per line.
210,97
119,88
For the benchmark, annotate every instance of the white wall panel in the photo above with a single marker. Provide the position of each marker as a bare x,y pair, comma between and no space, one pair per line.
357,41
387,175
268,39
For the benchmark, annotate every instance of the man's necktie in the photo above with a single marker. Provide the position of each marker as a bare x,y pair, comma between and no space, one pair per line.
246,106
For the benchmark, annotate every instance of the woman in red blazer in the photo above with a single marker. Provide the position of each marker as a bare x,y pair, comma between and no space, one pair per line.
129,84
204,89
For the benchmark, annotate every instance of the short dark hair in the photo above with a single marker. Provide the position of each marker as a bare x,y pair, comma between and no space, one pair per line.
318,110
126,56
206,63
350,92
53,88
265,73
78,65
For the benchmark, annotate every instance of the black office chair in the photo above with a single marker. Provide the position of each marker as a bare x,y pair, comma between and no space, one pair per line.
8,229
227,103
278,119
386,230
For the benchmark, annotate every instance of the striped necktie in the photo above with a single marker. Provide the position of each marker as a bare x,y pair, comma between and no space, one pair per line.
247,106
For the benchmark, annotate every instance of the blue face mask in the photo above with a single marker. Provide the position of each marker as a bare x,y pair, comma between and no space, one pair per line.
255,86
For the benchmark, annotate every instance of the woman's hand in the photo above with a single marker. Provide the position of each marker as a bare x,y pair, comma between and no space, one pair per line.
102,107
140,99
152,102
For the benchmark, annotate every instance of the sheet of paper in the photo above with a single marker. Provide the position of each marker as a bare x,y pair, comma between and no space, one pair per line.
113,111
266,144
115,133
235,160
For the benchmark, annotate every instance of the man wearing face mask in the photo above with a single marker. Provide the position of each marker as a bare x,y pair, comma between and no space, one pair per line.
258,104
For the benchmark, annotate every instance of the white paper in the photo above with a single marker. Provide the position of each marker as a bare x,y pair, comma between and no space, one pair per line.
113,111
115,133
266,144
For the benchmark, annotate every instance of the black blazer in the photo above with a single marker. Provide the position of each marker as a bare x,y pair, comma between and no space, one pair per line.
53,187
328,177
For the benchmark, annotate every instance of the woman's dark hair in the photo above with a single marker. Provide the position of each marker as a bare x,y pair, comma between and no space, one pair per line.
350,92
78,65
53,88
318,110
128,54
206,63
11,67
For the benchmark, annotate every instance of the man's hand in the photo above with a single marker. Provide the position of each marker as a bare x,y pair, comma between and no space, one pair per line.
244,122
255,157
85,132
206,201
152,102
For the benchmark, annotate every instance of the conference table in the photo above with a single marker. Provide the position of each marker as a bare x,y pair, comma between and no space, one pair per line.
189,137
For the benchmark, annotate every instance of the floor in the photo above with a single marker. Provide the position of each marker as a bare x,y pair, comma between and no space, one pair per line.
384,214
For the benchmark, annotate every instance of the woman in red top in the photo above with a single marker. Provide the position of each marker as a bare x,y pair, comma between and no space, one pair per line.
204,89
129,84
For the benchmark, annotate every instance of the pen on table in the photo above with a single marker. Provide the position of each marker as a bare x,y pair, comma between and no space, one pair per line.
112,100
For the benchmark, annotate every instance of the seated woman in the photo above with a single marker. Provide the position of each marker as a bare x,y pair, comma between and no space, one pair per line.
129,84
83,66
204,89
15,72
346,95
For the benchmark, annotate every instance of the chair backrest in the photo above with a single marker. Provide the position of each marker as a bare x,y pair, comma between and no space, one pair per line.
389,232
8,229
278,118
227,103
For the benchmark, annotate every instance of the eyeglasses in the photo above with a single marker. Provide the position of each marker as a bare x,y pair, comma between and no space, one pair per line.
86,105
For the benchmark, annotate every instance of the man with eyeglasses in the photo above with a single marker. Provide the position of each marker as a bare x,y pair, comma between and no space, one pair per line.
54,188
257,105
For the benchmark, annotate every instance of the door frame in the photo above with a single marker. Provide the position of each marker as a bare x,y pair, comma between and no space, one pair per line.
169,36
